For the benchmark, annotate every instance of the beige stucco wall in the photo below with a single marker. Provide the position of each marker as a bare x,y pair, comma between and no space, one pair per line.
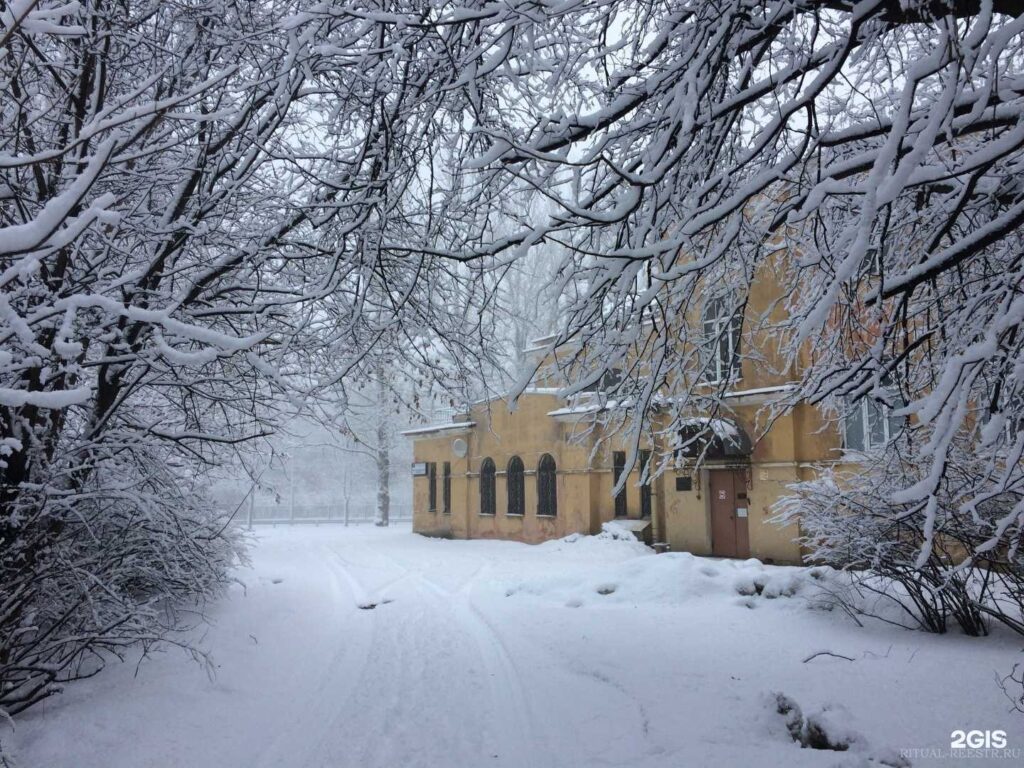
584,480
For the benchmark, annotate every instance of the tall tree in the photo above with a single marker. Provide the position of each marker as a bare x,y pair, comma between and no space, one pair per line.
186,191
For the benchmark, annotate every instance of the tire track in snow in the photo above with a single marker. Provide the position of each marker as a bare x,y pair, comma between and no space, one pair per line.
386,705
295,743
401,694
408,706
509,695
510,698
363,595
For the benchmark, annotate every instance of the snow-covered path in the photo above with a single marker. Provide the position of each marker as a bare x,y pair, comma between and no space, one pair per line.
584,653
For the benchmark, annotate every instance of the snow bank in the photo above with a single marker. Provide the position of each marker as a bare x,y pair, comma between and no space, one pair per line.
615,542
670,579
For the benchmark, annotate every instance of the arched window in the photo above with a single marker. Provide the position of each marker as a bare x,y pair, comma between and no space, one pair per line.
514,480
487,495
547,493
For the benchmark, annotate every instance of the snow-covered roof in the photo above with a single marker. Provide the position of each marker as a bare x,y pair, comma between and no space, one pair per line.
722,428
762,391
536,345
588,406
450,426
542,391
727,439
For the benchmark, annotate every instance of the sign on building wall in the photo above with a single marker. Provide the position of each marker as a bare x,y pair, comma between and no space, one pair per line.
419,468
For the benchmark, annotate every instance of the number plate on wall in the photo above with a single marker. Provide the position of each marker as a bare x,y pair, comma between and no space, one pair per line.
419,468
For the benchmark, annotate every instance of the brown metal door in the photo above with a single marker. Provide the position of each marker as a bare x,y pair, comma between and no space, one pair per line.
729,535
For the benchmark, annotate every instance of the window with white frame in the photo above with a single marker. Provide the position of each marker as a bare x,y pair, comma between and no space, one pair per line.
722,325
869,424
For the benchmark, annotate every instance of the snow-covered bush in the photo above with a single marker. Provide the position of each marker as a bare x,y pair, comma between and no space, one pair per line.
941,560
130,560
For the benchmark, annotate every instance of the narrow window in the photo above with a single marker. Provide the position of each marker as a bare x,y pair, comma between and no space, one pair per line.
487,494
547,493
432,485
721,332
618,466
446,488
645,489
514,480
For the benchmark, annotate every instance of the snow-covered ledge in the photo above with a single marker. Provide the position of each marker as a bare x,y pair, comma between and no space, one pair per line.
454,426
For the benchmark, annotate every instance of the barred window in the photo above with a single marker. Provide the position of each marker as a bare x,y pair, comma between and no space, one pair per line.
487,495
618,467
432,485
645,489
547,492
516,490
446,488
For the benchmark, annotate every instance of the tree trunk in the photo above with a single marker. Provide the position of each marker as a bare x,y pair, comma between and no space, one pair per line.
383,459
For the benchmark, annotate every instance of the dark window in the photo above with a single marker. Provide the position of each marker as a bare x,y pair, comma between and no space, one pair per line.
618,466
432,485
645,489
609,381
547,494
684,483
487,487
722,325
514,481
446,488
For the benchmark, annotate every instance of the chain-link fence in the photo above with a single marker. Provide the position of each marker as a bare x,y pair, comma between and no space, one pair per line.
283,514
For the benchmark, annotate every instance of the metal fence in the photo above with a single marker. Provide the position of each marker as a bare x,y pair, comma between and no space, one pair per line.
279,514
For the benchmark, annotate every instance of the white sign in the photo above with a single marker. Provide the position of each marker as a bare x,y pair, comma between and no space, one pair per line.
741,512
419,468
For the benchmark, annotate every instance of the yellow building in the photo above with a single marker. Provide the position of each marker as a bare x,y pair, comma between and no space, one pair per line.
532,475
490,473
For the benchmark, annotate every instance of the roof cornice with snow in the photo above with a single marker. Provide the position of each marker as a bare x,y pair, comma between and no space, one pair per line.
455,426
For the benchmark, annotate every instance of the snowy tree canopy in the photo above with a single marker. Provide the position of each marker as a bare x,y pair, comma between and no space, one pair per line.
198,202
209,209
865,155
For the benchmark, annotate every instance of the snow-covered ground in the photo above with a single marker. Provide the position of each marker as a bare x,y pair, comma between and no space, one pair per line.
582,652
